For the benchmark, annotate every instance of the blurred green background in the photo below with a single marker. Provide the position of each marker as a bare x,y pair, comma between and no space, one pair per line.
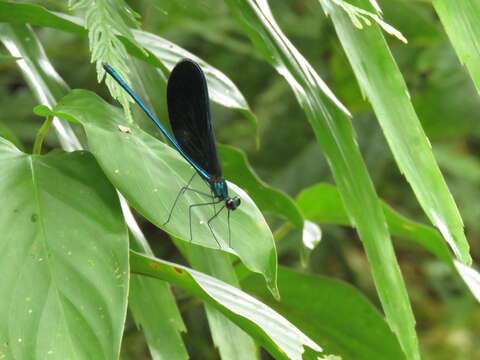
448,317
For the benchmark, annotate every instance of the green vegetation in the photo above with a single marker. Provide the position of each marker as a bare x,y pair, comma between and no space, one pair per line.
341,124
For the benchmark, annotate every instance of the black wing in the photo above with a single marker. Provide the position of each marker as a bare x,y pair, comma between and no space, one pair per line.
189,113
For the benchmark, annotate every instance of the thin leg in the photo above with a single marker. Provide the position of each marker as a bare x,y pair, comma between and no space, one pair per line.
180,193
228,223
210,227
198,192
190,215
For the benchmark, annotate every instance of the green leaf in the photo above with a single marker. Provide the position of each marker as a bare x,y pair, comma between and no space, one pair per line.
150,175
333,130
461,22
333,314
383,84
64,278
48,87
236,167
321,203
278,336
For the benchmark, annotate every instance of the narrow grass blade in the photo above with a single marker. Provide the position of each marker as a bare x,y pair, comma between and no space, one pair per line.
334,133
383,84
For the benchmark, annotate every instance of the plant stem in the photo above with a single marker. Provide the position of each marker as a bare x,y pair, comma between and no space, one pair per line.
37,146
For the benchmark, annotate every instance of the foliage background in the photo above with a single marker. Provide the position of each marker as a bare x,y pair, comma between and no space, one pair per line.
289,157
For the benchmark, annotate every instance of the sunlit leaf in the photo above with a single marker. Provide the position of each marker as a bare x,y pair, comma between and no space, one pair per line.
64,278
150,175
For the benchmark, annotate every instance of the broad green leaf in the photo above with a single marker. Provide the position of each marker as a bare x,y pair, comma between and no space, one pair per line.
64,258
383,84
333,130
231,341
461,22
278,336
160,53
268,199
48,87
150,175
333,314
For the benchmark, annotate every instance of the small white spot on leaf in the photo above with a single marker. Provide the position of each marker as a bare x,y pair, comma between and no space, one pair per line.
124,129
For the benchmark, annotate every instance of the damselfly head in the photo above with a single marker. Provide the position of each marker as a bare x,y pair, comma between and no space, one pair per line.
232,203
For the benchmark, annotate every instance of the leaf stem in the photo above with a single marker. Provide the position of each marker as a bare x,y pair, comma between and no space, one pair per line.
37,146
